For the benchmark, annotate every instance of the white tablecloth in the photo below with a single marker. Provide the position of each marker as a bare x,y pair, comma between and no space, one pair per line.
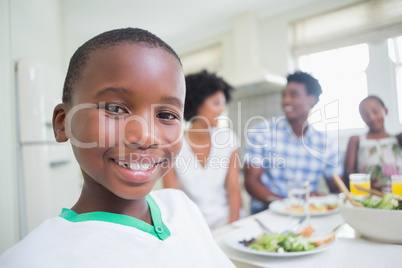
349,250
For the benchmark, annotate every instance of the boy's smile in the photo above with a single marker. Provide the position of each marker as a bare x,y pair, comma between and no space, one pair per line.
128,132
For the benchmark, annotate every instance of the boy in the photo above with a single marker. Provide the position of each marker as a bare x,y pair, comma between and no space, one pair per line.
122,112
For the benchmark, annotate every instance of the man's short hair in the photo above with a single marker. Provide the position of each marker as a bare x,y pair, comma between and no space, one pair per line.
312,85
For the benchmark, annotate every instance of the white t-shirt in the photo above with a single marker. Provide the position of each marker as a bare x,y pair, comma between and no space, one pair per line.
179,238
206,185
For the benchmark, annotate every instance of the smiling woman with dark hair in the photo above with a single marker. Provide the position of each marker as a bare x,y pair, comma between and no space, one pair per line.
199,87
206,169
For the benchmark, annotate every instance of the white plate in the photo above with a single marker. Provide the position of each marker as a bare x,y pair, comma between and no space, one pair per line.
233,239
279,206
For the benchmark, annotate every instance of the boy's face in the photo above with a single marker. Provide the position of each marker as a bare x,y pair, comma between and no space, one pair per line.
127,108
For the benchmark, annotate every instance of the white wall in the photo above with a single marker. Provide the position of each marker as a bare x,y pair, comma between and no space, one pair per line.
36,31
8,185
381,78
275,38
28,29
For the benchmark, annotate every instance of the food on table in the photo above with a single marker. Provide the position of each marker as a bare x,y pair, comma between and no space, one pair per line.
288,242
307,232
386,202
321,239
279,243
314,208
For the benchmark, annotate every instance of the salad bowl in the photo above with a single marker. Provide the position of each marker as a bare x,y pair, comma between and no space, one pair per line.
383,225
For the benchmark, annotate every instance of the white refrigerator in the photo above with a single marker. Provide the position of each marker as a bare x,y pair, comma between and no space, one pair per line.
48,176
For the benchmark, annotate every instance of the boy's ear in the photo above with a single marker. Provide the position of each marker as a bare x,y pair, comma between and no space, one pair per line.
59,129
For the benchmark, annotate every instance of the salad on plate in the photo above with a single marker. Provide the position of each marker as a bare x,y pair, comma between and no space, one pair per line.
288,242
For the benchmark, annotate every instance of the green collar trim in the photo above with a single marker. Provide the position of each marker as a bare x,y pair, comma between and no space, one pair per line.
159,229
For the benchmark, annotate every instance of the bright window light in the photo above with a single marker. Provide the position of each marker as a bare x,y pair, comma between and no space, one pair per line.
399,91
395,54
341,73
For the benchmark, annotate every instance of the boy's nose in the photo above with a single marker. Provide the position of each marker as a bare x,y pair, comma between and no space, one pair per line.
140,133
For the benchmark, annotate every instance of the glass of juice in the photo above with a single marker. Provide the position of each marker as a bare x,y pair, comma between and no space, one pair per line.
362,180
396,184
298,196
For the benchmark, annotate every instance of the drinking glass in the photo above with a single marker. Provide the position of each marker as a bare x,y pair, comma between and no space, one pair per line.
362,180
299,194
396,184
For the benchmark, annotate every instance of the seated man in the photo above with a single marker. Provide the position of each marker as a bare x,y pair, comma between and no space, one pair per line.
288,149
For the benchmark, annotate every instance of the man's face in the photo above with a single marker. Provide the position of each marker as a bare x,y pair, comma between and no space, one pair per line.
127,109
296,103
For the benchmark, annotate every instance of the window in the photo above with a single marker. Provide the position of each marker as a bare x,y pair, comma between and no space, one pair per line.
360,59
395,54
342,75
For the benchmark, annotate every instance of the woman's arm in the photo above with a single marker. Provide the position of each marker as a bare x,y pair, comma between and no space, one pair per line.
399,138
350,165
233,187
170,180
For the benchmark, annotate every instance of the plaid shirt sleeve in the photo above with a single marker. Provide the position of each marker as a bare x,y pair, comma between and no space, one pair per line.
255,149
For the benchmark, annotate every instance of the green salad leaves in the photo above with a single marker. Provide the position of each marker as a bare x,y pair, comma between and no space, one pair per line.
386,202
281,243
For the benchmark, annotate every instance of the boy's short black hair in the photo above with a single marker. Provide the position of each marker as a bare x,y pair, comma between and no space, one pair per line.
104,40
312,85
200,86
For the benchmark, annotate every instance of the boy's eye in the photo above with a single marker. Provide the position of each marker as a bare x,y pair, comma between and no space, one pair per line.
167,116
113,108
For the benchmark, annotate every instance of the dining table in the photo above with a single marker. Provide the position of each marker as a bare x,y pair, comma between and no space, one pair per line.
349,249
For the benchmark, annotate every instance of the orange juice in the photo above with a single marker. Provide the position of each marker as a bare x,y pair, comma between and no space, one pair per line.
364,184
397,187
